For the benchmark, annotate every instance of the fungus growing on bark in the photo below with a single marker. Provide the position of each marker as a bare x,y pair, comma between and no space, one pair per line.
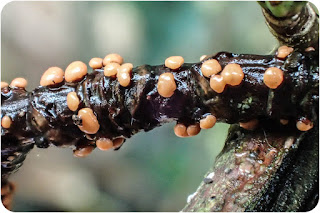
210,67
111,69
104,144
166,85
180,130
73,101
96,63
193,130
6,122
76,71
273,77
52,76
112,58
284,51
89,122
124,74
208,122
82,152
232,74
174,62
217,83
19,82
304,124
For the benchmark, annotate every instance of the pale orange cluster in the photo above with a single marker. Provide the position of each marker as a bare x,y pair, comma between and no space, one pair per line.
115,69
284,51
107,144
183,131
232,74
166,83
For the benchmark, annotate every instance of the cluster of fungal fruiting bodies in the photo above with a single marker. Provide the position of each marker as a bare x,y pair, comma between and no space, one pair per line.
166,87
218,75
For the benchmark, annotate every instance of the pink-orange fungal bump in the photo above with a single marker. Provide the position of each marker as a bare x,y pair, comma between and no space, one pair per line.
208,122
166,85
104,144
180,130
6,122
83,151
217,83
232,74
210,67
174,62
96,63
73,101
111,69
76,71
193,130
284,51
52,76
90,123
113,57
304,125
273,77
19,82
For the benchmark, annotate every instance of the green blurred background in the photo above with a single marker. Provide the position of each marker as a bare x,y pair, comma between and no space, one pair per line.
154,171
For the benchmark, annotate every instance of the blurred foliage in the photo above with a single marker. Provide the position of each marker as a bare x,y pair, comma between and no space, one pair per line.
153,171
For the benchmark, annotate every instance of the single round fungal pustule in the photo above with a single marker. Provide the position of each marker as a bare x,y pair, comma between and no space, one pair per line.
73,101
174,62
19,82
273,77
4,84
250,125
6,122
112,58
284,51
166,85
304,124
52,76
210,67
310,49
117,143
180,130
96,63
208,122
104,144
217,83
89,122
82,152
76,71
193,130
232,74
111,69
